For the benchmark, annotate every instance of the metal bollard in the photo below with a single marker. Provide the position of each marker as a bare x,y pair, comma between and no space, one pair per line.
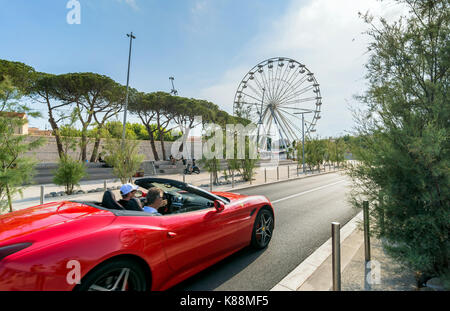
184,177
265,175
104,185
288,171
278,173
366,230
336,255
42,194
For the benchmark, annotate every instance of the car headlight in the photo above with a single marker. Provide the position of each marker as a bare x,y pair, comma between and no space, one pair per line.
11,249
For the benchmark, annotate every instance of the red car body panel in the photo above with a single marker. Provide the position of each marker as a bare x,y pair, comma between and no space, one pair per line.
174,247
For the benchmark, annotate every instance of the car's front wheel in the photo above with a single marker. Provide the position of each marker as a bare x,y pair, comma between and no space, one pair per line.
262,229
117,275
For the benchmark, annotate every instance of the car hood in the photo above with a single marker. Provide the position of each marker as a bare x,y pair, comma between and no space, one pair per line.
29,224
230,195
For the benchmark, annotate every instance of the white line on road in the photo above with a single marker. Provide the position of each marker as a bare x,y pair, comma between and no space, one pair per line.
308,191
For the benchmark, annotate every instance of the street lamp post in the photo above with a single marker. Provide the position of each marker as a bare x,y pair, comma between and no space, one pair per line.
303,135
131,36
173,91
303,142
260,119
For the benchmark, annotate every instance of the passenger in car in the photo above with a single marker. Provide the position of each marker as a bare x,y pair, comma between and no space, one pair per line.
155,201
129,200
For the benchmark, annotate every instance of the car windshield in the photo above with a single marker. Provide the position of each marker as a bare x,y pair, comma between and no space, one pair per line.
166,187
201,190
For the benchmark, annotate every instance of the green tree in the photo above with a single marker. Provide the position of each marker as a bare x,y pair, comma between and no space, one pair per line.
315,152
97,99
337,148
70,171
150,108
139,130
114,129
125,159
404,130
248,165
212,166
15,168
69,136
44,90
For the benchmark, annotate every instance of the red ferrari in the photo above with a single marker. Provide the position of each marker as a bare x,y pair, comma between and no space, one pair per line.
100,246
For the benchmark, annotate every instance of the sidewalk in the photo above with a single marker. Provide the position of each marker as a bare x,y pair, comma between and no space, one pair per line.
392,276
315,272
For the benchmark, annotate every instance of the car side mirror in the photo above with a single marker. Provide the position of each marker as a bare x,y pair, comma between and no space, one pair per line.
219,205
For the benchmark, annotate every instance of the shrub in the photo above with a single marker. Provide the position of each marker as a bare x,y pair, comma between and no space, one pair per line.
124,158
404,155
69,173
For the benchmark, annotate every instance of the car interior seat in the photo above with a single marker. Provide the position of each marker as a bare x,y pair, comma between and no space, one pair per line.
109,201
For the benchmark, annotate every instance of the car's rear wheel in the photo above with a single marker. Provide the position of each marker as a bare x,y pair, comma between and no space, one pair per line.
116,275
262,229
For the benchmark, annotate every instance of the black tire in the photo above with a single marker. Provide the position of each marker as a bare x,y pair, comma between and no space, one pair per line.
262,234
106,275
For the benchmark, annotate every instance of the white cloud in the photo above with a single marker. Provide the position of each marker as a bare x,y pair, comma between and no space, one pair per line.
131,3
326,35
199,7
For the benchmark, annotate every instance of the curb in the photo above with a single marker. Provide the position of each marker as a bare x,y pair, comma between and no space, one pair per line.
300,275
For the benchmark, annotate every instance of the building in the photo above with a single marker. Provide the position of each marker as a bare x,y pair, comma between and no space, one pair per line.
21,130
38,132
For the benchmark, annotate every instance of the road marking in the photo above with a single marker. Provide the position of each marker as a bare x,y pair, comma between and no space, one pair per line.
308,191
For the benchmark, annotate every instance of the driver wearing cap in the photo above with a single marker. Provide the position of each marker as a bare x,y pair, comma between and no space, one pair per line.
129,200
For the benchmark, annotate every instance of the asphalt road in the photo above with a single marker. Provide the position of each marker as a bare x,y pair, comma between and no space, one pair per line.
304,209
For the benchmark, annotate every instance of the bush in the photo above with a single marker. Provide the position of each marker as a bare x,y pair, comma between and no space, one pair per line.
403,131
212,166
69,173
15,168
124,158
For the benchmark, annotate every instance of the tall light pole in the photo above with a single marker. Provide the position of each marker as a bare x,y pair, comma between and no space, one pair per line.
173,91
303,141
303,135
131,36
260,119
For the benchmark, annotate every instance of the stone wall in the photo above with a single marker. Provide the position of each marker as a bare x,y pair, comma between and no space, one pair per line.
48,153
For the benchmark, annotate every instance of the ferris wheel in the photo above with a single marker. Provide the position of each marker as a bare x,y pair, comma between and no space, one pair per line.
283,98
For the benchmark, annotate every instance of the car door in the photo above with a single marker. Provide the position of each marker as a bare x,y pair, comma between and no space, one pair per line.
237,224
193,238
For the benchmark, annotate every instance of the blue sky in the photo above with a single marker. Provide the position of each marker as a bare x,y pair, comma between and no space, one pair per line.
192,40
207,45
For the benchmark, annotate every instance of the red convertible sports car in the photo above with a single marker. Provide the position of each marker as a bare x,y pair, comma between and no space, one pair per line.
101,246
